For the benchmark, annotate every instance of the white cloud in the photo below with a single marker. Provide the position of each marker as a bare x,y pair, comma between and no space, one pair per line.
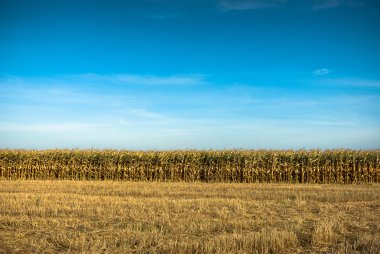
85,90
146,114
249,4
57,82
320,72
50,127
147,80
328,4
331,122
314,5
325,4
354,82
116,115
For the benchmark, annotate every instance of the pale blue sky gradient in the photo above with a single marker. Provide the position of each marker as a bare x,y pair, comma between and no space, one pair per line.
162,74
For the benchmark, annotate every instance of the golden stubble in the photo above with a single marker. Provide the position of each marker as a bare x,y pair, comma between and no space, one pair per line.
155,217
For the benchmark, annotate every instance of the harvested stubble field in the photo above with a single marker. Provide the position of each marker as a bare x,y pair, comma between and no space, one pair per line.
179,217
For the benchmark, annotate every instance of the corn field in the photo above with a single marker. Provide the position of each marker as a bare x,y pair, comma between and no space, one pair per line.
248,166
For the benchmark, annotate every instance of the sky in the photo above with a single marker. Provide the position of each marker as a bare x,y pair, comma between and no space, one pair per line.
190,74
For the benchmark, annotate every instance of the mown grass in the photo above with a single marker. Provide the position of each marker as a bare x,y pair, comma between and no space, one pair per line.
158,217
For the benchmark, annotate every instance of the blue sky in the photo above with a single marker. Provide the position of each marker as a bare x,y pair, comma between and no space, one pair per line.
203,74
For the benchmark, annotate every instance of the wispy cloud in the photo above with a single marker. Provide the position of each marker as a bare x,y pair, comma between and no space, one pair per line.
147,80
351,82
146,114
53,92
91,78
51,127
240,5
320,72
85,89
179,111
328,4
325,4
333,122
314,5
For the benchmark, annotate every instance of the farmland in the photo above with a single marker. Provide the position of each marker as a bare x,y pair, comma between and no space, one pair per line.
232,201
250,166
159,217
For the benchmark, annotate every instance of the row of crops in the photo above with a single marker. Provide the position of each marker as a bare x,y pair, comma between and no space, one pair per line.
269,166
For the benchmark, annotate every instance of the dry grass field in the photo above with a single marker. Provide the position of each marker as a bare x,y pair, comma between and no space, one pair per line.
158,217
